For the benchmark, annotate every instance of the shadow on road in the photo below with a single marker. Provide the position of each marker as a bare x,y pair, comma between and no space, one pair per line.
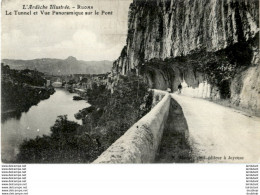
175,147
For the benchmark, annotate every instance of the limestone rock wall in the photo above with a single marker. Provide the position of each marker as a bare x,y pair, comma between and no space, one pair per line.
245,89
169,28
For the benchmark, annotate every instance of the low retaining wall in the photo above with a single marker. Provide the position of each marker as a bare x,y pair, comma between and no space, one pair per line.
203,90
157,96
140,143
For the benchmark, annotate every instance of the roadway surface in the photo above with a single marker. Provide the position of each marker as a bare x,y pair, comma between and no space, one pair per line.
220,134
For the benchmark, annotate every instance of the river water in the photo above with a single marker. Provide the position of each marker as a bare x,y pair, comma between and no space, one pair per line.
37,121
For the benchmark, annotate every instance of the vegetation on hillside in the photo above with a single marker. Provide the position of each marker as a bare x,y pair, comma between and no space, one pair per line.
26,76
110,117
20,90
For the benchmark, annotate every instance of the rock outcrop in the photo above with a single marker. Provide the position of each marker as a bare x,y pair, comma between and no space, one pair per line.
168,40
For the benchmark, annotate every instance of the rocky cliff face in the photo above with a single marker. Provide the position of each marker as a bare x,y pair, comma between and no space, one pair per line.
210,46
170,28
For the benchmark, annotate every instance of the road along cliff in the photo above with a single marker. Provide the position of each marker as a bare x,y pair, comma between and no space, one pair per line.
181,129
211,47
220,134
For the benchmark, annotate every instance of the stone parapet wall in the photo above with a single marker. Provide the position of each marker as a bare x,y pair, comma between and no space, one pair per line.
140,143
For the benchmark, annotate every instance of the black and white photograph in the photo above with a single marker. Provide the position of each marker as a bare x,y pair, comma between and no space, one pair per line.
130,81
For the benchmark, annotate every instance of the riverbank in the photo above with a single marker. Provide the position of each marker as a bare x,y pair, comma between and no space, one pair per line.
19,98
20,90
112,115
37,121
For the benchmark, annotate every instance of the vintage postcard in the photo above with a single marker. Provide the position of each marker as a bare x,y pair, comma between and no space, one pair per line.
130,81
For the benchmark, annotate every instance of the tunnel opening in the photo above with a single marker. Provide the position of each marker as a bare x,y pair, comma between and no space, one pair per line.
224,88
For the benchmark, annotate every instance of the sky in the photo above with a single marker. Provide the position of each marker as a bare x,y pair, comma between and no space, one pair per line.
96,37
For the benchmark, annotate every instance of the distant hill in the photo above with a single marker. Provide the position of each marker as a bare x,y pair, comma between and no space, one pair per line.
58,66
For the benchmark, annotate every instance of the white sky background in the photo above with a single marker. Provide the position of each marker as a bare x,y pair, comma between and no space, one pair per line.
84,37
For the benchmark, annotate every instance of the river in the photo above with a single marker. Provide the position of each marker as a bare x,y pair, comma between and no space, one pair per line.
37,121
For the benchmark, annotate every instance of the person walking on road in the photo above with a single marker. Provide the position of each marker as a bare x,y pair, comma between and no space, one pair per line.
179,88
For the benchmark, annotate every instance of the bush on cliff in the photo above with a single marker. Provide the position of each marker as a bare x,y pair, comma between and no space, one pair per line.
129,102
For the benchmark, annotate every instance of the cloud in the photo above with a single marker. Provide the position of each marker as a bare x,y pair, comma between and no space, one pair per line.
85,37
83,45
17,43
